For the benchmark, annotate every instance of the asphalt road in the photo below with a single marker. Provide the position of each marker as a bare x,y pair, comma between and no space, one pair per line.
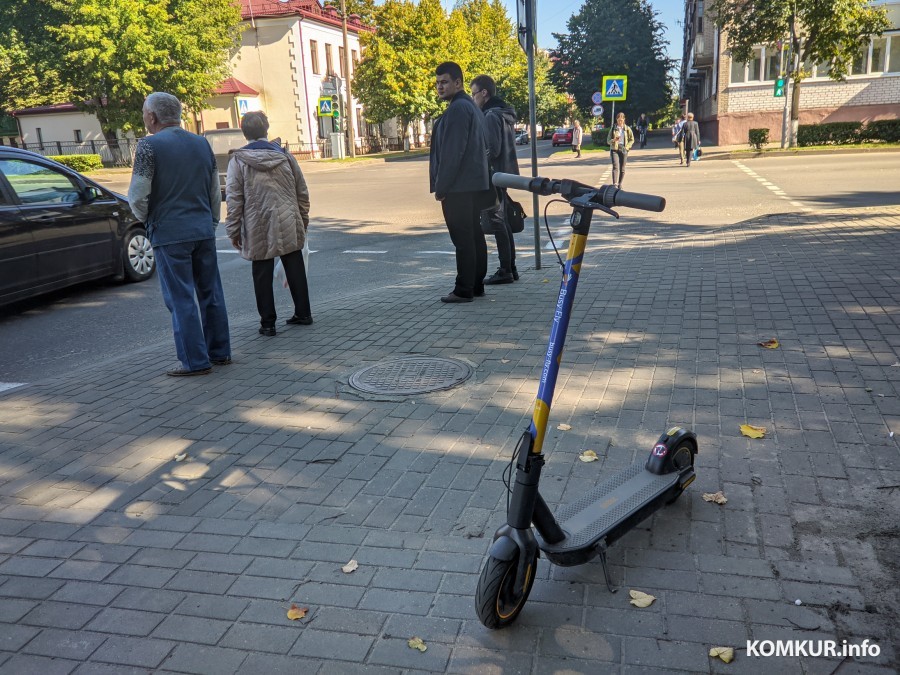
375,224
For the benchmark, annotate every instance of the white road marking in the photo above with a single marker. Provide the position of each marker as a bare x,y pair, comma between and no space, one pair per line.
436,253
361,251
5,386
771,186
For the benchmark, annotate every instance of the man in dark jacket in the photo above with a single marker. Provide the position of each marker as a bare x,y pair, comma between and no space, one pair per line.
500,135
458,171
690,135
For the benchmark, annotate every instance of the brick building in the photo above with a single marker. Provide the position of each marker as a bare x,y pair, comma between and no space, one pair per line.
730,98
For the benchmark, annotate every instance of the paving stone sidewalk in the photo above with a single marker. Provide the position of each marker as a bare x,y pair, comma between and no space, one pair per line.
115,558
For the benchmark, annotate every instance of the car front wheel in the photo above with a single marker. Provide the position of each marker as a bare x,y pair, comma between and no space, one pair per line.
139,261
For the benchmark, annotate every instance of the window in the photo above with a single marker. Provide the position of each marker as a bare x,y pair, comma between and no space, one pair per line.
341,61
879,54
329,61
753,68
36,184
773,63
858,67
738,71
354,56
314,56
823,69
78,138
893,64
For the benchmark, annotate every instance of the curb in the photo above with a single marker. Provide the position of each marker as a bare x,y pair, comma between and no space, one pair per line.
796,153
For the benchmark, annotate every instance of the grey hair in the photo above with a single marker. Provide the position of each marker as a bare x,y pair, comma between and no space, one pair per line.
690,116
166,107
255,125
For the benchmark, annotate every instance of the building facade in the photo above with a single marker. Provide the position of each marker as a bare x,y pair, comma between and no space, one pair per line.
729,98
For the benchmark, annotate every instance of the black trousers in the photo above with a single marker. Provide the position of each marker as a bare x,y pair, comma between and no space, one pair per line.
263,277
494,221
688,151
462,213
619,157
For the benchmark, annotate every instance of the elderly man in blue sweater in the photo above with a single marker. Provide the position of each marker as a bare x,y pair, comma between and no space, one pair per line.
175,192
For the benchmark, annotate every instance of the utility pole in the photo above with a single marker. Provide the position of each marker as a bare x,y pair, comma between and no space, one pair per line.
350,111
530,46
786,72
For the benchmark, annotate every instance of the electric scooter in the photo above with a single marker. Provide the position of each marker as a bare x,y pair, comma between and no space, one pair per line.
583,530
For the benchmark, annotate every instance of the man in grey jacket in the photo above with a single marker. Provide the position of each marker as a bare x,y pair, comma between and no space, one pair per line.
174,191
458,172
500,136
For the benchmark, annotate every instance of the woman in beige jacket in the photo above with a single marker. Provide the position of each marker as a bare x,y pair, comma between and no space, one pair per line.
268,213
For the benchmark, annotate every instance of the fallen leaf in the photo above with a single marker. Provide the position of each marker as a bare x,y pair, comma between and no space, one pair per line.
181,457
717,497
564,427
417,643
295,612
504,360
588,456
350,567
545,281
771,343
641,599
752,431
895,365
724,653
756,371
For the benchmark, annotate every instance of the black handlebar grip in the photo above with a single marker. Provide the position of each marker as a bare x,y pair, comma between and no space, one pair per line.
509,180
636,200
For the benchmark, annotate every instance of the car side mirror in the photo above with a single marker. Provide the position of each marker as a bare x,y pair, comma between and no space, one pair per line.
91,194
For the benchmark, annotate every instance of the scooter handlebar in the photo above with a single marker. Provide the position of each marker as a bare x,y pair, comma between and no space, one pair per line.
607,195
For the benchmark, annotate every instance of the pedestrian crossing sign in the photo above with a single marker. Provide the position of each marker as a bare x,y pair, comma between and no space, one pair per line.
615,87
326,106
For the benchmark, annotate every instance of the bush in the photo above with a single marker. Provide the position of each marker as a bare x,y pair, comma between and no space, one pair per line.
759,138
832,133
79,163
598,138
882,130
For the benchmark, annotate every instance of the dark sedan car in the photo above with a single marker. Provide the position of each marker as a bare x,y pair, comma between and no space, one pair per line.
58,228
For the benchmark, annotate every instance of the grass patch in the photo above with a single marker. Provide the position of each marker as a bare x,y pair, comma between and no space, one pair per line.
387,156
870,147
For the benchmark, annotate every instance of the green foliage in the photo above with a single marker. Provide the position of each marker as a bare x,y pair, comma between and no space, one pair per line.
759,138
848,133
614,37
882,130
107,55
396,76
831,31
80,163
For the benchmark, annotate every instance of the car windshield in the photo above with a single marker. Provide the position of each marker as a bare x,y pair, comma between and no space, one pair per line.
562,131
223,141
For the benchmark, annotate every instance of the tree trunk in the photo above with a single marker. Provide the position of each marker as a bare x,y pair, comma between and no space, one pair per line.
795,111
117,157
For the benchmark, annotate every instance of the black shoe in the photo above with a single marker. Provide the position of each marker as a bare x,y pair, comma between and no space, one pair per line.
501,276
268,331
300,321
221,362
184,372
515,274
453,297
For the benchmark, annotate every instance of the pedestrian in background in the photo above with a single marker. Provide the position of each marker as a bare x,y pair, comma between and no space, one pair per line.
620,139
690,135
175,192
677,139
577,137
643,125
500,136
458,174
268,215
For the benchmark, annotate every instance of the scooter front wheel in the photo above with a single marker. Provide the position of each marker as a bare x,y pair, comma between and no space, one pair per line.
500,596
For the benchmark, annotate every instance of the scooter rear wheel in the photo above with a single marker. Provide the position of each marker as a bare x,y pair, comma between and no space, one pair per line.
680,459
499,598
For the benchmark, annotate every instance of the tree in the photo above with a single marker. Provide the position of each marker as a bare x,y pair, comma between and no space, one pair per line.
395,78
819,32
105,56
614,37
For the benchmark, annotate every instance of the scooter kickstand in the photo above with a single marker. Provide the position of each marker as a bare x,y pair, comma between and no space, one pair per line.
602,548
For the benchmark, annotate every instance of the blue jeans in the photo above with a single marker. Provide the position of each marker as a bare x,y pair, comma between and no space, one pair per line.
192,290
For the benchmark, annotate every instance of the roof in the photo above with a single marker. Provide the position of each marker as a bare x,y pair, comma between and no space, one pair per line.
232,85
45,109
306,9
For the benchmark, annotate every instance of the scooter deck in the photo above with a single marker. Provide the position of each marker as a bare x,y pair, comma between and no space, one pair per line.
608,511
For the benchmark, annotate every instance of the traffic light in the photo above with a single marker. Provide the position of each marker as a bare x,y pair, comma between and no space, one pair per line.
779,87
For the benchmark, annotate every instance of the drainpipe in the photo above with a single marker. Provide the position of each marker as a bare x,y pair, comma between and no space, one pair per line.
305,88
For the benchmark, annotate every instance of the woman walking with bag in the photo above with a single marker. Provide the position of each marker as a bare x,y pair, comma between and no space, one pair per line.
268,213
620,139
577,136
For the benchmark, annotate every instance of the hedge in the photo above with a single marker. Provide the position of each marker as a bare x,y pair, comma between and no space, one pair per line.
832,133
80,163
759,138
882,130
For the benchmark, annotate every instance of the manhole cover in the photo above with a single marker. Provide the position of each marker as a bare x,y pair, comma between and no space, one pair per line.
410,375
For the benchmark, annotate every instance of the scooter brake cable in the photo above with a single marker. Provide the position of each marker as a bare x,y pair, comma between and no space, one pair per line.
549,234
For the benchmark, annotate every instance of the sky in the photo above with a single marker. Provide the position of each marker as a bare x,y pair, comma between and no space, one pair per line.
552,16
